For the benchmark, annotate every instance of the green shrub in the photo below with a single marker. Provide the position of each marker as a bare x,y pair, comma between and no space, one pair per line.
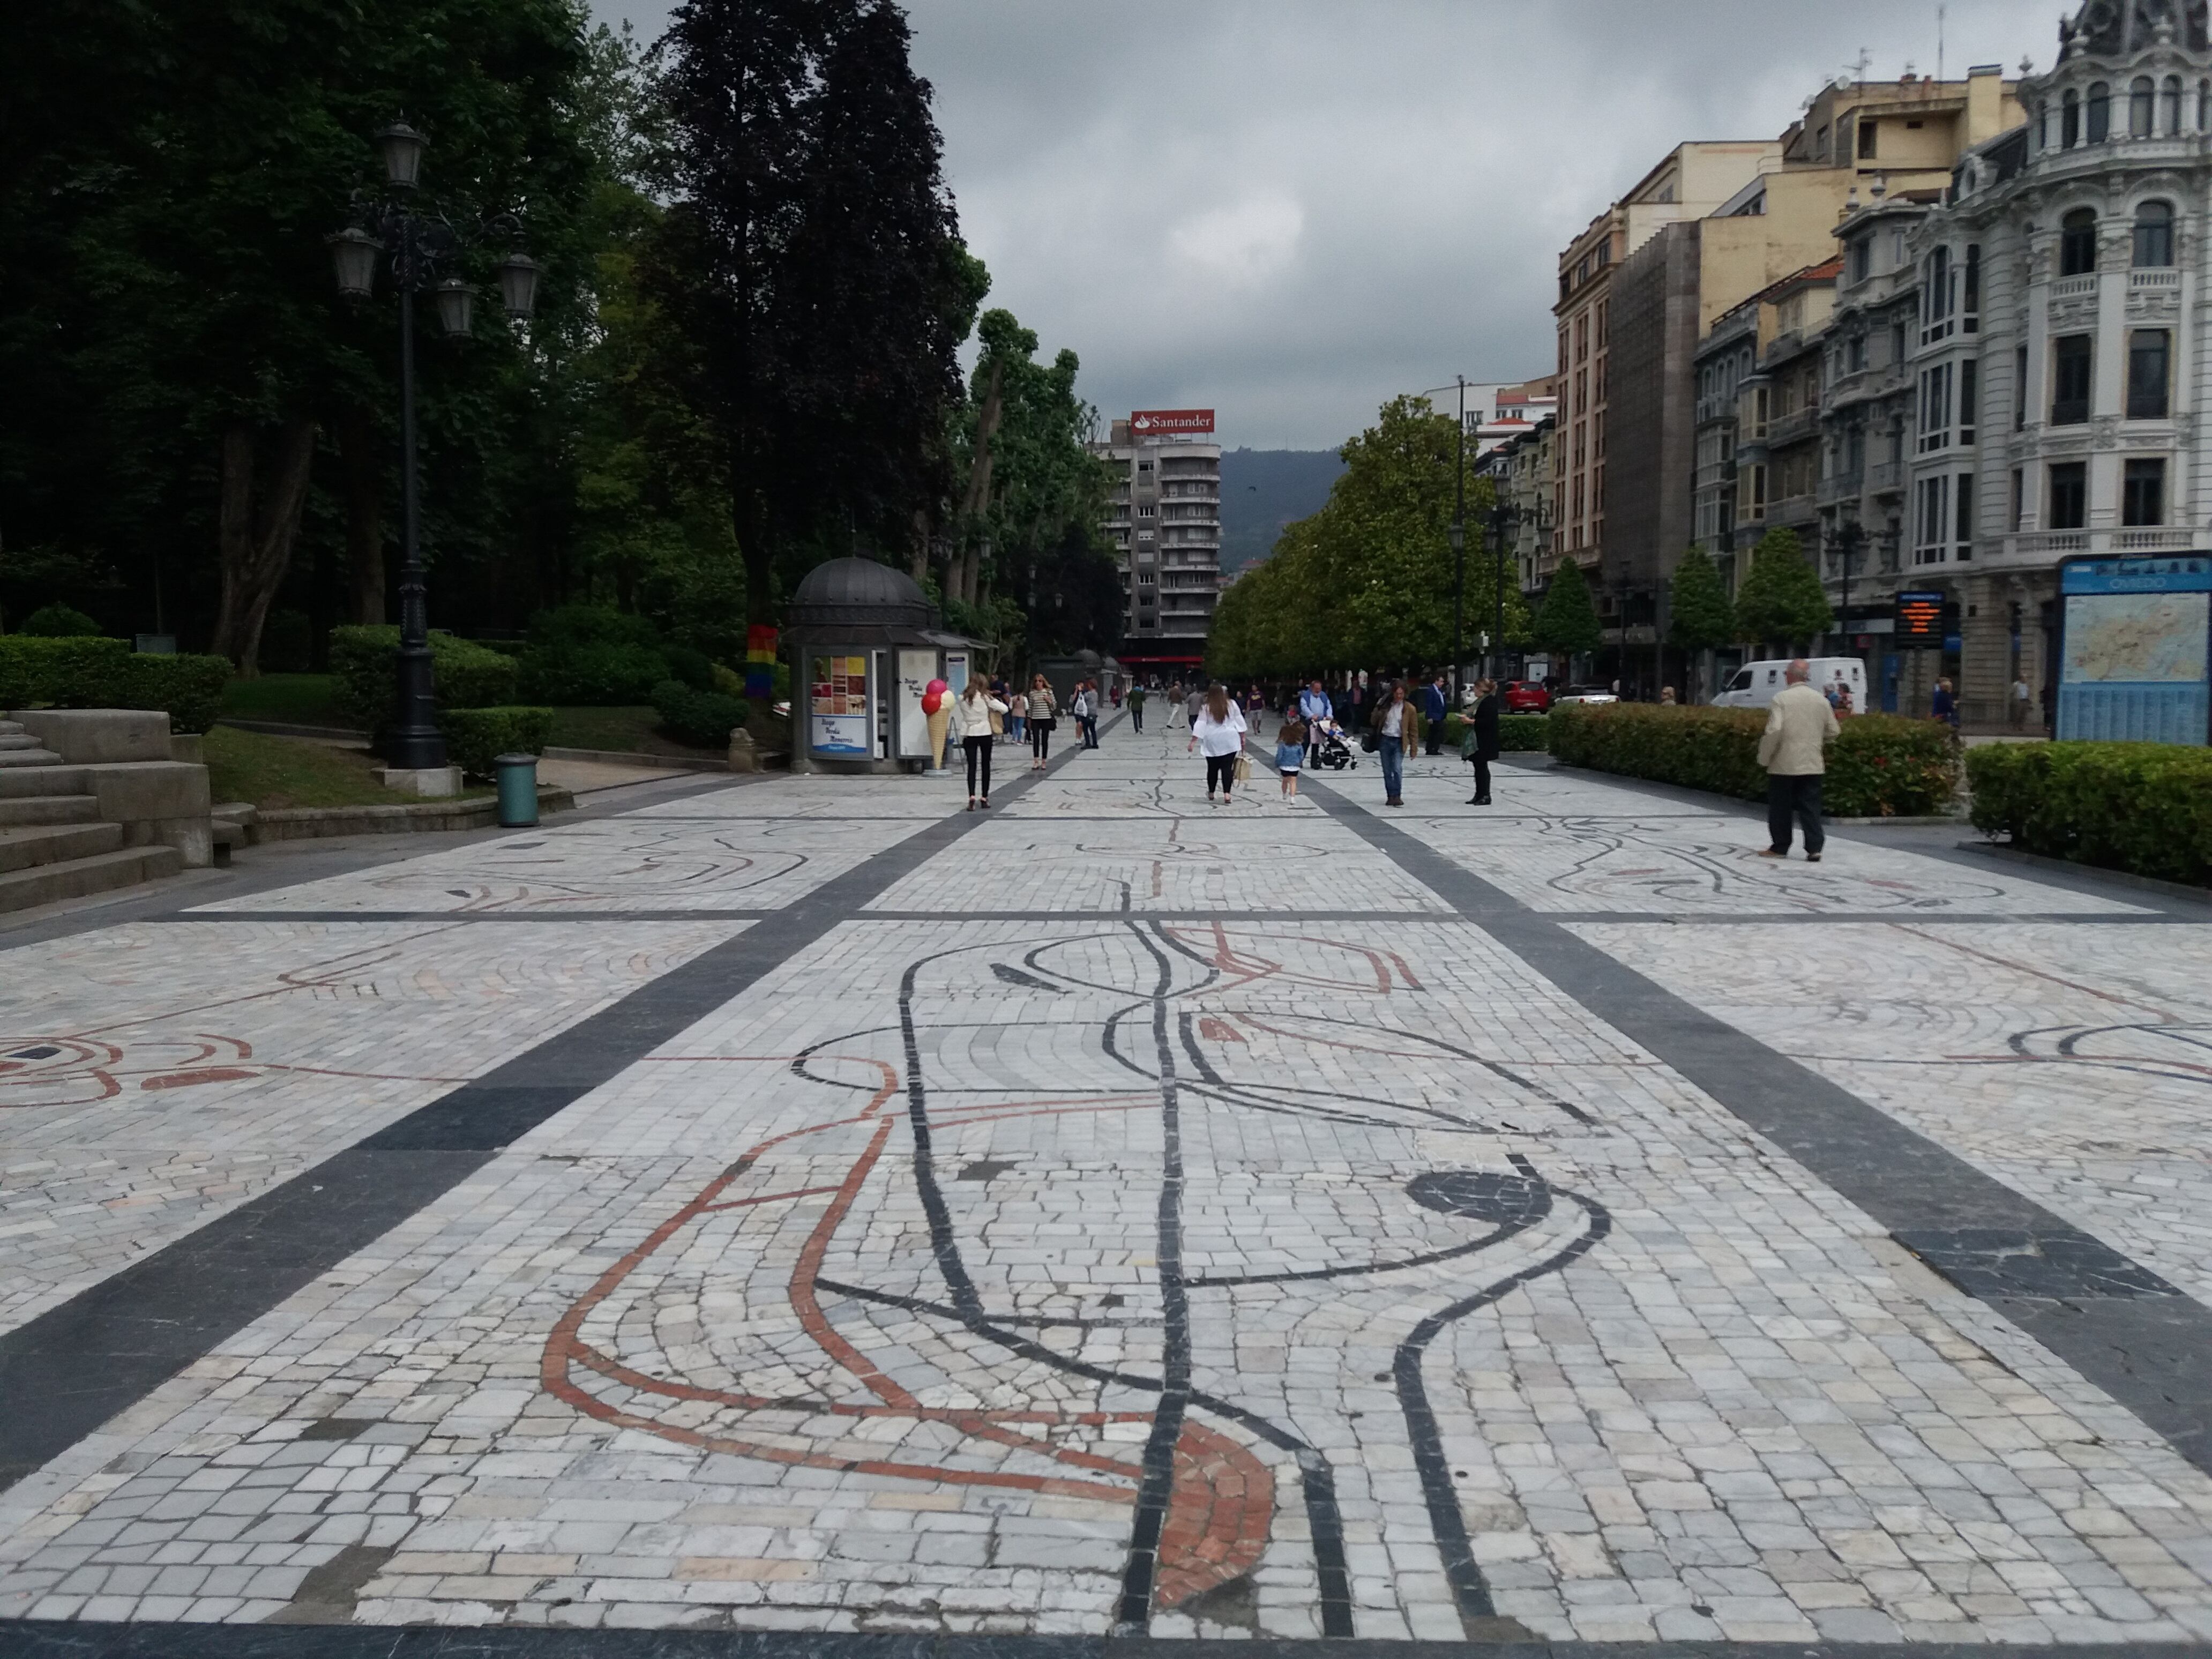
59,621
702,719
1880,766
189,685
585,656
1523,734
463,675
2142,807
475,738
74,672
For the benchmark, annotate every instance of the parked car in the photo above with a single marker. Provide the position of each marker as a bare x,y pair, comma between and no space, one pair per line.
1527,697
1587,694
1754,685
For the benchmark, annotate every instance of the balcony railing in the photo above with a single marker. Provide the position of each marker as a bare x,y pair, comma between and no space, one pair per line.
1886,478
1791,509
1840,486
2076,288
2154,282
2064,543
1797,423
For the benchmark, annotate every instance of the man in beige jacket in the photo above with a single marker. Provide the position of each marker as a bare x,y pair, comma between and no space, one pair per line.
1799,722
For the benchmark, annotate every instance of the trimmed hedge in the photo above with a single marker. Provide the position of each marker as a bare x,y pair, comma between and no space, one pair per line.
78,672
475,738
1880,766
1517,734
463,675
702,719
2142,807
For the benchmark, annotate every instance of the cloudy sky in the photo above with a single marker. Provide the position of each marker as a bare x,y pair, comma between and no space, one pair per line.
1290,209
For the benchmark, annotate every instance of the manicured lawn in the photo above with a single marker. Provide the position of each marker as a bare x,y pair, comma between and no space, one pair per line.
272,771
292,699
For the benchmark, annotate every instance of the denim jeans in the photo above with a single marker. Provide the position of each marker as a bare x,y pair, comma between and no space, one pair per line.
1393,766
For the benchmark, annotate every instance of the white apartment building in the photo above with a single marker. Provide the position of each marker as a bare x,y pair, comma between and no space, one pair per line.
1164,521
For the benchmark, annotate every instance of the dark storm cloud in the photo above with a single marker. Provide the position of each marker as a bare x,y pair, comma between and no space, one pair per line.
1289,210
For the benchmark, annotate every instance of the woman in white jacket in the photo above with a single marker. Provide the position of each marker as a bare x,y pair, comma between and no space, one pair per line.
1218,728
971,724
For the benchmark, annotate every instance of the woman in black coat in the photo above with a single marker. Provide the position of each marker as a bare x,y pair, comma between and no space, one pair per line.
1481,743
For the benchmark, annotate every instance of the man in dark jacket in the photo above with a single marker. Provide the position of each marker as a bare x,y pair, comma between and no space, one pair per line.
1480,745
1436,704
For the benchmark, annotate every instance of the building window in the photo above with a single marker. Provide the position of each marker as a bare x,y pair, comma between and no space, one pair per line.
1968,398
2069,380
2070,125
2077,243
1932,521
2070,496
1962,515
1866,138
1861,259
2100,111
1144,511
2153,238
1937,294
2142,493
1934,408
1970,308
2148,360
2141,95
2172,100
2019,500
2020,388
1855,354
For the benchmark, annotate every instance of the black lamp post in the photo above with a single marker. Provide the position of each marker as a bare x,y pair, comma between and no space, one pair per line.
1850,537
1504,518
1459,547
419,246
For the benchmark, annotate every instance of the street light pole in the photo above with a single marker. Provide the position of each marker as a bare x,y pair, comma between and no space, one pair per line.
415,246
1459,549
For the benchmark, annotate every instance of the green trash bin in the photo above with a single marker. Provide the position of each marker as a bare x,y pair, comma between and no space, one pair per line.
518,791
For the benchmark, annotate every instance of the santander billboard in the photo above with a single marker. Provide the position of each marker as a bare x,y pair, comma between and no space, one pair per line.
1153,422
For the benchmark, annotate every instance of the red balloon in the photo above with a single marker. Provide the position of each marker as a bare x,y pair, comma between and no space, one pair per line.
936,688
932,700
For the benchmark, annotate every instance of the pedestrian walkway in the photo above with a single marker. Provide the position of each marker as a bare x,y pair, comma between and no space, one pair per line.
805,1207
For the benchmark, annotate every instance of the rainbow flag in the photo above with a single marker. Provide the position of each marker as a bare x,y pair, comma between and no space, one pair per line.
760,660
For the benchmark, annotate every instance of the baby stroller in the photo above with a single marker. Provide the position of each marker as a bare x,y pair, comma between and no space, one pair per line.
1333,753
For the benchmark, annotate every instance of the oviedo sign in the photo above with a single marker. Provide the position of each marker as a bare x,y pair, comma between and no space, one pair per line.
1152,423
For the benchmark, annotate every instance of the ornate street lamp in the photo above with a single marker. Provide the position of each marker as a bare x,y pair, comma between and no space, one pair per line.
1458,546
416,248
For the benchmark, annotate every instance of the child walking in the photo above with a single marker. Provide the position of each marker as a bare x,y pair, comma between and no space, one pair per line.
1289,753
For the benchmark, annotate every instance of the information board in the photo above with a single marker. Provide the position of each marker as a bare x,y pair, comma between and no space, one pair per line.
1919,618
2134,649
837,707
915,671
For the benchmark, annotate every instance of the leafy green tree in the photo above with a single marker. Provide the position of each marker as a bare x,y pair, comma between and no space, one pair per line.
1567,621
1780,599
1703,619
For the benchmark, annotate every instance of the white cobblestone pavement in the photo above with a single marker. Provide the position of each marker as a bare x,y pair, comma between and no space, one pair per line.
1141,1215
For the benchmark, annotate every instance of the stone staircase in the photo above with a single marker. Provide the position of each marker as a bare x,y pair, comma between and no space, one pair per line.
54,844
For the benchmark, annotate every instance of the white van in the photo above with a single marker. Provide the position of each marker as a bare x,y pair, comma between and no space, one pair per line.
1754,684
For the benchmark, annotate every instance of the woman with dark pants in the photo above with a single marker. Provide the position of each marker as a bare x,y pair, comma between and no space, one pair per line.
971,724
1040,712
1481,744
1218,728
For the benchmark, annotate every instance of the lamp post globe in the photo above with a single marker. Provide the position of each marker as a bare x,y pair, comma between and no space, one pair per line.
518,285
456,304
400,147
353,258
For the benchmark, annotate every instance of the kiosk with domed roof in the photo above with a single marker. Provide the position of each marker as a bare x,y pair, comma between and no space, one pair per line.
865,643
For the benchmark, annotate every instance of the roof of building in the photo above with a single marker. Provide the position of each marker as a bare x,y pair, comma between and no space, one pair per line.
2118,29
859,591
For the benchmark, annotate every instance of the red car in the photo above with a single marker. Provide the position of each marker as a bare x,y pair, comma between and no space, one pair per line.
1527,697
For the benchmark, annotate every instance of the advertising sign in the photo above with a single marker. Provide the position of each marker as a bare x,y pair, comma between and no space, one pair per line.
915,671
1159,422
1919,618
2134,649
837,707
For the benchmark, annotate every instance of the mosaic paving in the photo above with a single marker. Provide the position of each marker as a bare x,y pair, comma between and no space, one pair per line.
1145,1216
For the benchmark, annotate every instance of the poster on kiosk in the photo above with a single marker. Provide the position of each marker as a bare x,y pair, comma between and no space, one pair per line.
837,707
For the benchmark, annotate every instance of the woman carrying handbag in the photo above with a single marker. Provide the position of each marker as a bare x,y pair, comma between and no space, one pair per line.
973,713
1218,728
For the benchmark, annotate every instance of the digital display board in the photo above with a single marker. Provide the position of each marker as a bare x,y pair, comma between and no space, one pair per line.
1919,618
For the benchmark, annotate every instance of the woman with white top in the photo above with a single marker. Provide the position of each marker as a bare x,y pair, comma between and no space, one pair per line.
971,723
1218,728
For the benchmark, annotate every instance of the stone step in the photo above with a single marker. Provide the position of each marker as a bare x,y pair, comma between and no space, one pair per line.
33,755
50,809
24,846
18,738
11,728
45,883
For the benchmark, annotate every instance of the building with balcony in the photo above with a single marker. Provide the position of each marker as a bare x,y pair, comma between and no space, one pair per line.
1163,522
1521,471
2055,343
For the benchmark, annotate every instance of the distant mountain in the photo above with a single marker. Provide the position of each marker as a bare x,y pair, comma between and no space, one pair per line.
1264,489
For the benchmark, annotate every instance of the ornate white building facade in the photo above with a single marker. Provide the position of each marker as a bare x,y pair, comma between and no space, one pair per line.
2059,361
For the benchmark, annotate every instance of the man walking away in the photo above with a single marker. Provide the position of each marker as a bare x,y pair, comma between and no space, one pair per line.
1799,722
1314,710
1435,705
2020,701
1136,707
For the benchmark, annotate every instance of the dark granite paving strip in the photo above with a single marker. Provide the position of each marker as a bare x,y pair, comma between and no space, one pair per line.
2121,1326
65,1372
46,1639
1862,918
1764,918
